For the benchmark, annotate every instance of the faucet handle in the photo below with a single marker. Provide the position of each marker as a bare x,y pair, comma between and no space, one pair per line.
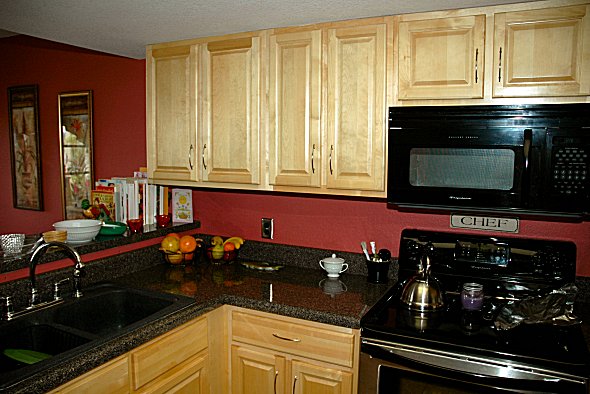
7,308
57,288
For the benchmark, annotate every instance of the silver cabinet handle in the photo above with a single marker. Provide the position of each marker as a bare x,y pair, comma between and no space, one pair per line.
190,153
285,338
331,150
276,376
312,154
476,55
203,157
294,383
500,66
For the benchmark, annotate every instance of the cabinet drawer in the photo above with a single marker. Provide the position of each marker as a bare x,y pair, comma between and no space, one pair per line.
112,377
305,339
156,358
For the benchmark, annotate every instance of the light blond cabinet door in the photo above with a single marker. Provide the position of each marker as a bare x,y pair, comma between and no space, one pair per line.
441,58
112,377
542,52
172,113
256,371
294,108
356,113
230,148
159,359
314,379
190,379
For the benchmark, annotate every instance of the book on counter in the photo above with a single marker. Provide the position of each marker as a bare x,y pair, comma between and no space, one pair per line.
134,198
102,202
182,206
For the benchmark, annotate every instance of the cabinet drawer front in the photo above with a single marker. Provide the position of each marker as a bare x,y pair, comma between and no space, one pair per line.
112,377
156,358
287,335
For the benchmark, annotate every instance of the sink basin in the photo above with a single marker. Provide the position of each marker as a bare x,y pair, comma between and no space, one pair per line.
75,326
106,312
37,337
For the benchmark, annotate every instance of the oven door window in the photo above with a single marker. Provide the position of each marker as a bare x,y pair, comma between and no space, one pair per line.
483,169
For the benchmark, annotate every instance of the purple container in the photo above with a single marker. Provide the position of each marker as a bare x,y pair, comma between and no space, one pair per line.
472,296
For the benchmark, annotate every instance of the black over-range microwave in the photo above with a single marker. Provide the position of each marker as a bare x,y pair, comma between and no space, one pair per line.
529,159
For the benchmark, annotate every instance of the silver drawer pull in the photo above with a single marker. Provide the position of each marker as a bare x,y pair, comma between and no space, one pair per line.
285,338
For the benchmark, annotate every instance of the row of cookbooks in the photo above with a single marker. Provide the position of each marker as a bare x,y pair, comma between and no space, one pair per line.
119,199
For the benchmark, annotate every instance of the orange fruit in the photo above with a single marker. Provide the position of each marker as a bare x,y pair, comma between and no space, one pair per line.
175,235
228,247
187,243
170,244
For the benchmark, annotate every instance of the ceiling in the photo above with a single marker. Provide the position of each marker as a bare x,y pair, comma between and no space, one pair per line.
125,27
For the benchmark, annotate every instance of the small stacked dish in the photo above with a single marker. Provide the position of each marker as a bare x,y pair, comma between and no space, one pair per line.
79,230
55,236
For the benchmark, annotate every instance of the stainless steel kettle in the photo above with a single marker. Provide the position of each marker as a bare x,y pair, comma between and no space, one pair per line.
422,292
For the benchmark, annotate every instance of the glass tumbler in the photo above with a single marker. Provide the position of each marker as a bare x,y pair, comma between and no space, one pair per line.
472,296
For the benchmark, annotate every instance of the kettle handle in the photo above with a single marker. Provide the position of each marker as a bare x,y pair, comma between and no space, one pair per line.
428,249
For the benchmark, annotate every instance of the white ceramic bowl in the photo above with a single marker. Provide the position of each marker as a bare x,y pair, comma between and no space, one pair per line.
79,230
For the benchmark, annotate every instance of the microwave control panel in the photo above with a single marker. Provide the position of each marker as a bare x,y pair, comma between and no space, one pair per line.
570,169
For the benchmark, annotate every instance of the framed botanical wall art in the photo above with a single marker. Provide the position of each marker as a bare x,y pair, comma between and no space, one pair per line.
75,135
25,154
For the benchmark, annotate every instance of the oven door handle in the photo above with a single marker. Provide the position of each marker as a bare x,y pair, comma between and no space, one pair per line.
408,356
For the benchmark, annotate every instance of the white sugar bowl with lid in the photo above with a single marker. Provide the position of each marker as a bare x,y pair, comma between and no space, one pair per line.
334,266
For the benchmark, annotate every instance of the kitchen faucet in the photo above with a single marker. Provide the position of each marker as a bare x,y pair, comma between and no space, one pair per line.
6,305
78,269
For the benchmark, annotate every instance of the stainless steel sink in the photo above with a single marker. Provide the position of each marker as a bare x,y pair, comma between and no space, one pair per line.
71,328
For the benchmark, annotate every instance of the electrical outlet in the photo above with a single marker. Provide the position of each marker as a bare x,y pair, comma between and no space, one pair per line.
268,228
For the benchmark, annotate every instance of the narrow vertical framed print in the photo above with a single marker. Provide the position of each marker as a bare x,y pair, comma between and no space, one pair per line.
25,152
76,142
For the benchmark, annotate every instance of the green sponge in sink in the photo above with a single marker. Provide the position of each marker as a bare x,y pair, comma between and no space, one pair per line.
26,356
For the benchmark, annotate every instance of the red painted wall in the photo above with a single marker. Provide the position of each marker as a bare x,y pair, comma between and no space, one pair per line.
118,86
119,122
341,224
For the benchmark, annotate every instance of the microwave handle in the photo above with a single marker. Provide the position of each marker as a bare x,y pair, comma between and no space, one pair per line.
526,176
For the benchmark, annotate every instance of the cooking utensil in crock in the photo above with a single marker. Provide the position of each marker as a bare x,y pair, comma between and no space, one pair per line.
423,292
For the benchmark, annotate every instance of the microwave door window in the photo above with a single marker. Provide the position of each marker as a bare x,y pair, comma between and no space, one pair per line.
483,169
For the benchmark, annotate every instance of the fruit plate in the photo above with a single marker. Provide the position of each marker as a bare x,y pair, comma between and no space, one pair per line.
255,265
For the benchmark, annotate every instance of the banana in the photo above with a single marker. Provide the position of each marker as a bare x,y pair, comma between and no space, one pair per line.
237,241
217,240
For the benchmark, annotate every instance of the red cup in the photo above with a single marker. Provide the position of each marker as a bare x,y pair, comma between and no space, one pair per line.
135,226
162,220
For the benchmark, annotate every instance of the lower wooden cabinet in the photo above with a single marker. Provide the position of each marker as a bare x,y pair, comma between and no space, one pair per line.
111,377
234,350
277,354
262,371
176,362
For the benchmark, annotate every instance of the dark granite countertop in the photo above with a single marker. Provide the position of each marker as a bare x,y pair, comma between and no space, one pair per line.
297,291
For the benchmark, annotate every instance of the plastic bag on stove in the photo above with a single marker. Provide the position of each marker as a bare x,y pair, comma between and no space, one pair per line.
554,308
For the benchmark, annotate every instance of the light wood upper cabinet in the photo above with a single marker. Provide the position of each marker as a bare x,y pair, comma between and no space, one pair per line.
543,52
294,108
442,58
232,88
356,108
172,112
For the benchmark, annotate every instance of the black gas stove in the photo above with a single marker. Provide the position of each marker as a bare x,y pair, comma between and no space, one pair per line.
466,350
